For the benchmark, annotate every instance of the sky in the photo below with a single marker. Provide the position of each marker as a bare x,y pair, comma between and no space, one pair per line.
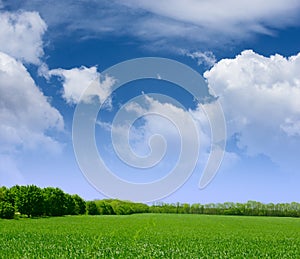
59,57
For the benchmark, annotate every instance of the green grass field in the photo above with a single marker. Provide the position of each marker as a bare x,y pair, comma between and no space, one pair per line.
151,236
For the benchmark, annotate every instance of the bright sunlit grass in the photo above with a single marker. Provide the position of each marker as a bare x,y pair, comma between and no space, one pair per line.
150,236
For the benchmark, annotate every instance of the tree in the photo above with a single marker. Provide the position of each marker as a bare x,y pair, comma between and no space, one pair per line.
104,207
12,194
91,208
2,193
7,211
122,207
80,205
69,205
55,201
30,201
195,208
9,195
186,208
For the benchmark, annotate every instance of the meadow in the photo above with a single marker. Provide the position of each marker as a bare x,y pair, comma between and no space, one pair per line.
150,236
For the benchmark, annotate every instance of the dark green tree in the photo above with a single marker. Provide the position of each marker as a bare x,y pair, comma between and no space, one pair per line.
30,201
69,205
91,208
9,194
80,205
7,211
55,201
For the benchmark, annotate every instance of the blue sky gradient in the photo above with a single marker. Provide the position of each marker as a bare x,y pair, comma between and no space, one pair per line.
249,53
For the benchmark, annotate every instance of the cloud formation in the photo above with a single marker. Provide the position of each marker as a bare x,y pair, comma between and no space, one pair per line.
260,97
206,58
222,15
25,113
190,22
21,35
77,80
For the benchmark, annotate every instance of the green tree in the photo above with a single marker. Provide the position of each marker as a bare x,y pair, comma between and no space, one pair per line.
55,201
80,205
2,193
104,207
122,207
12,194
91,208
30,201
186,208
69,205
195,208
7,211
9,195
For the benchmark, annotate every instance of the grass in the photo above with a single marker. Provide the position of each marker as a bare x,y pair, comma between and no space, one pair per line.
150,236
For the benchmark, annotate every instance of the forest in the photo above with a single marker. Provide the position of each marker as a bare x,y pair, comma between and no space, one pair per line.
33,201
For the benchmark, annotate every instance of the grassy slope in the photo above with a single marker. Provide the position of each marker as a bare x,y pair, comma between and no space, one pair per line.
150,236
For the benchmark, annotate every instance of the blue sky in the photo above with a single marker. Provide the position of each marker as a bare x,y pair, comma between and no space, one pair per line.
248,52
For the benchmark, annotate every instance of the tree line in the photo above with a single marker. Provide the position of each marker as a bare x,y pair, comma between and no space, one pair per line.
33,201
250,208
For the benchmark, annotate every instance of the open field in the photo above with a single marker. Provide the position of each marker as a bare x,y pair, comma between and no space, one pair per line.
151,236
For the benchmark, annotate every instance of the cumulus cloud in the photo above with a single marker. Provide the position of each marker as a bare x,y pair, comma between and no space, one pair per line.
25,113
21,35
260,97
77,80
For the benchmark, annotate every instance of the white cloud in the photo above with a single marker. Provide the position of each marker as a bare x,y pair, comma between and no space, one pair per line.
160,22
199,20
260,97
165,110
21,35
215,12
291,127
207,58
25,113
77,80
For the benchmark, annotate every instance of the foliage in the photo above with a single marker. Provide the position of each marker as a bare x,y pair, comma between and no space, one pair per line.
7,211
34,201
9,194
151,236
91,208
104,207
80,205
30,201
55,201
69,205
251,208
115,207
